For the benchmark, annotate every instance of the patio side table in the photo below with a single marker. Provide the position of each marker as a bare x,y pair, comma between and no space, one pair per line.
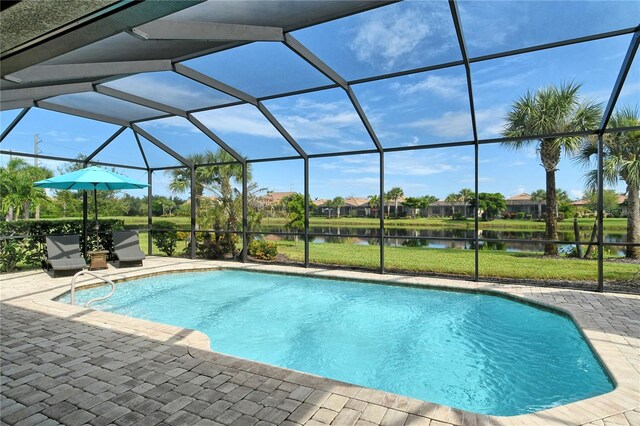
98,260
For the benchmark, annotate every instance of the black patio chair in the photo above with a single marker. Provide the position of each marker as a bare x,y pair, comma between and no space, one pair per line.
126,248
63,254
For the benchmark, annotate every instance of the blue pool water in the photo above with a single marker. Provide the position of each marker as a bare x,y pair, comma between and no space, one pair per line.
475,352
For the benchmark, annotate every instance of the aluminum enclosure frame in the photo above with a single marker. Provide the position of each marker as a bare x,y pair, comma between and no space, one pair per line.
37,97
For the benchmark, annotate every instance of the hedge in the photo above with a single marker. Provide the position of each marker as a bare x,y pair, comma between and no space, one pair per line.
29,247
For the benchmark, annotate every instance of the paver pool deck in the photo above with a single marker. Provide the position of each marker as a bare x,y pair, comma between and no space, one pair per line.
73,365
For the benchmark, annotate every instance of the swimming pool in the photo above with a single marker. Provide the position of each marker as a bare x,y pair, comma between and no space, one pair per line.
476,352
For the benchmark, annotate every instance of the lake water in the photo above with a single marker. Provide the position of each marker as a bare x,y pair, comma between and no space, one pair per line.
399,237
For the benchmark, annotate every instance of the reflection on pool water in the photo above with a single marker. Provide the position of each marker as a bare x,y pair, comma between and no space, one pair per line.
476,352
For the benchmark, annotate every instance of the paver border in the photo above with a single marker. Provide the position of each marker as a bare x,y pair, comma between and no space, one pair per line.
624,374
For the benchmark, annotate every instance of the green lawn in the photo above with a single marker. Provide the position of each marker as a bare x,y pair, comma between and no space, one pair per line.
496,264
141,221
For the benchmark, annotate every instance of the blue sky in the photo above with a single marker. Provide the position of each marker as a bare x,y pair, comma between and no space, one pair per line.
423,108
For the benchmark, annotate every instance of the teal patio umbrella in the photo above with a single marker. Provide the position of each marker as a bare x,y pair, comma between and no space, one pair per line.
91,178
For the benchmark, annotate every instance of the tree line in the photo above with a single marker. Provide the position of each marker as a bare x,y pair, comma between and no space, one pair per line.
21,200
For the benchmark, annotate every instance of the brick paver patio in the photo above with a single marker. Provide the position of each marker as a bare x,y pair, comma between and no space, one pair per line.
71,365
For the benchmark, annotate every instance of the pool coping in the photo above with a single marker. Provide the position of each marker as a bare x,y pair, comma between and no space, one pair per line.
610,348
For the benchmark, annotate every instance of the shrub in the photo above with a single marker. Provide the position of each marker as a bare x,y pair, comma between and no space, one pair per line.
520,215
216,246
528,217
459,216
11,253
33,246
261,249
166,237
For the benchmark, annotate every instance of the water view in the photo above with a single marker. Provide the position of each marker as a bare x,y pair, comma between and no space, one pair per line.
442,238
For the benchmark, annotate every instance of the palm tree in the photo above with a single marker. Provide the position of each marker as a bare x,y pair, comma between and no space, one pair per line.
621,162
387,202
394,194
465,195
337,203
413,204
562,200
426,201
452,199
16,188
374,201
216,178
538,196
551,110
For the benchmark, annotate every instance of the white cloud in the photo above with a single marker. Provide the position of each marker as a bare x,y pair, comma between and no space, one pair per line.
517,80
172,125
327,166
170,93
302,103
419,164
490,121
321,121
504,24
457,124
450,124
446,87
395,35
243,120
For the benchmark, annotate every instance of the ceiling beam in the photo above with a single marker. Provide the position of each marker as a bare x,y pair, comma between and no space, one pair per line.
66,159
138,100
104,144
14,123
215,138
80,113
314,61
52,73
161,145
92,28
453,6
285,134
144,156
43,92
22,103
165,29
325,69
213,83
170,110
232,91
622,76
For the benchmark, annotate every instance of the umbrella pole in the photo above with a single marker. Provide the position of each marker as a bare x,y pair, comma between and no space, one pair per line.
85,232
95,213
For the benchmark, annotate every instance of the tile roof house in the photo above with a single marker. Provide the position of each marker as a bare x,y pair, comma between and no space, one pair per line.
272,198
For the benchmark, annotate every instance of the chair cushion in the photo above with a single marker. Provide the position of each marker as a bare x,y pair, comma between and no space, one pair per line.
67,264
